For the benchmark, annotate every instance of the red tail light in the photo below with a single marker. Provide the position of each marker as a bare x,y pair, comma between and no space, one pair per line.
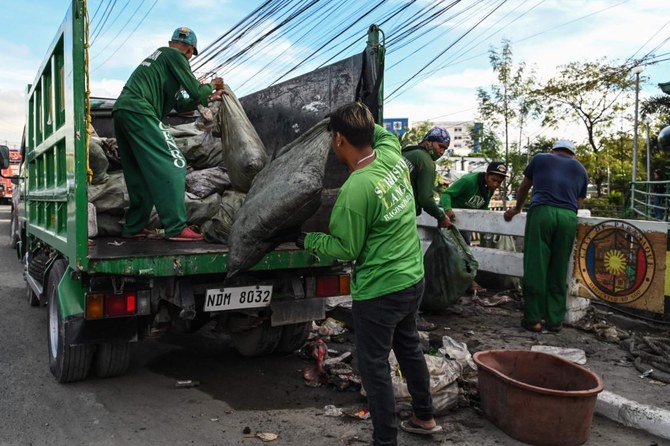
120,304
327,286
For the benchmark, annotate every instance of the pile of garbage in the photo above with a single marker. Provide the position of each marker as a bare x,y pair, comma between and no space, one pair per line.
233,192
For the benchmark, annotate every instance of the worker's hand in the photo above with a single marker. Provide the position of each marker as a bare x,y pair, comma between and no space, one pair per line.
451,215
510,213
445,222
216,96
217,83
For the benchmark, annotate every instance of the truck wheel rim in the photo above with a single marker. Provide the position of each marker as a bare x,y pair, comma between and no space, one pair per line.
53,329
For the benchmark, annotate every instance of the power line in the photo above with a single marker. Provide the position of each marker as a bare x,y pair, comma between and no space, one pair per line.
129,35
102,51
113,21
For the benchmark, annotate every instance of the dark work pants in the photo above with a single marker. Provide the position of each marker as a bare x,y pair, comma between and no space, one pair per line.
380,324
155,172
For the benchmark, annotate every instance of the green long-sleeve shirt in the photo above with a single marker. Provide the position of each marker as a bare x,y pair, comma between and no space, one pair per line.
468,192
422,171
154,88
373,222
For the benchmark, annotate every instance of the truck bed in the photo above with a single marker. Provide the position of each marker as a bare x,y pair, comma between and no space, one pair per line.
147,257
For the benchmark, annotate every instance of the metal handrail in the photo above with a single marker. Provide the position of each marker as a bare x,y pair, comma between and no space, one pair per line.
651,205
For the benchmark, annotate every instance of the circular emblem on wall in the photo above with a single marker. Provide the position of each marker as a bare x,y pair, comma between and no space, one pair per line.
616,261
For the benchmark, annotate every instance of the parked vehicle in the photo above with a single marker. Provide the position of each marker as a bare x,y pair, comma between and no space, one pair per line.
103,296
12,170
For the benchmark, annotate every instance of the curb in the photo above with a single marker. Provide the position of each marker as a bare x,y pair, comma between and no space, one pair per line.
632,414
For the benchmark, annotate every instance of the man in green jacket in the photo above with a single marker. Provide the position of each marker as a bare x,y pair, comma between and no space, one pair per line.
373,223
421,160
153,166
473,191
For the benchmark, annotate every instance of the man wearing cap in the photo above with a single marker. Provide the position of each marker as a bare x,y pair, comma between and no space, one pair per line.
473,191
559,185
421,162
153,166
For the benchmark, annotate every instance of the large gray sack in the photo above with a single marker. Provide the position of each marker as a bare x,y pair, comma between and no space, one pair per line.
200,148
284,194
243,151
111,196
97,161
205,182
217,230
200,210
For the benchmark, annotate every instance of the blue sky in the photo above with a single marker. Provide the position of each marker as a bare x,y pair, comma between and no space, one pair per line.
545,34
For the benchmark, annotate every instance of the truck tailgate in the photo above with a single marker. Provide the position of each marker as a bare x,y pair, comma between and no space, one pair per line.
146,257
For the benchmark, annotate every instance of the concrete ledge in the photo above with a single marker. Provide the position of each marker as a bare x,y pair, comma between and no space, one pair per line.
629,413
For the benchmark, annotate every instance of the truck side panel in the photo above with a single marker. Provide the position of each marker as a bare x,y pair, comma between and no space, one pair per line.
56,143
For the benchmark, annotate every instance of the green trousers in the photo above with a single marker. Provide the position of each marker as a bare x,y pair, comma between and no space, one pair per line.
155,172
548,240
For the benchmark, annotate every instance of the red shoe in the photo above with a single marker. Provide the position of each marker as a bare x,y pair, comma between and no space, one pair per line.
187,235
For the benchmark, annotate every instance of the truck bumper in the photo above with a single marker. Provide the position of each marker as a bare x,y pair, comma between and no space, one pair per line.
80,331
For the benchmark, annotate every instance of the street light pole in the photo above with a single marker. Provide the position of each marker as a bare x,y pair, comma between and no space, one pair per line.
637,70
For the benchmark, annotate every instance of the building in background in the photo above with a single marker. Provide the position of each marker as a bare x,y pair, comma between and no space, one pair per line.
396,125
461,140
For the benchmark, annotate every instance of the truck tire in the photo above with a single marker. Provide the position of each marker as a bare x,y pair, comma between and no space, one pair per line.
67,363
112,359
36,269
293,337
257,341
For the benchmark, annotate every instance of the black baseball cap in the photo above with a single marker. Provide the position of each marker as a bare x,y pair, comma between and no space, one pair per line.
497,167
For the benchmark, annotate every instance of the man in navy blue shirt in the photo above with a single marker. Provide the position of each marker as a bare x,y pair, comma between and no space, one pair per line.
559,184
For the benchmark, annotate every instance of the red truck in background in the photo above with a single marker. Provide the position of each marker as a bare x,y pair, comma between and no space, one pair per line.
6,185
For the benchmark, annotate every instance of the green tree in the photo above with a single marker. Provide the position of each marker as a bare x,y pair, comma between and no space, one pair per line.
511,101
591,92
415,134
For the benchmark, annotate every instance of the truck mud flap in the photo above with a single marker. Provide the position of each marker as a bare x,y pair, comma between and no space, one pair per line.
296,311
80,331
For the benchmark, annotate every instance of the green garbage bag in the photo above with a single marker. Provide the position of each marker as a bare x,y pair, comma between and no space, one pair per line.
449,267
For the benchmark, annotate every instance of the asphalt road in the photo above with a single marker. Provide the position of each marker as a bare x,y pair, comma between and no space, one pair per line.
145,408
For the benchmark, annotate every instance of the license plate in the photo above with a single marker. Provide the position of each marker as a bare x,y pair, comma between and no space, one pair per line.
219,299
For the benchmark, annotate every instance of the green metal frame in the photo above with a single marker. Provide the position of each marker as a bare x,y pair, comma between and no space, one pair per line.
56,207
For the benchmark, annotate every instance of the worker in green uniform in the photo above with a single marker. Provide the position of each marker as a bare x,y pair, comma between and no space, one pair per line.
559,185
153,166
421,162
373,222
473,191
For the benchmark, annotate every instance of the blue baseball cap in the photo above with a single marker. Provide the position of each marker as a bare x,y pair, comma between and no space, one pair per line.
187,36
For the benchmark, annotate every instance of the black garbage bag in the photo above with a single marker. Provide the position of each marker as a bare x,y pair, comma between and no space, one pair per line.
283,195
205,182
244,154
450,269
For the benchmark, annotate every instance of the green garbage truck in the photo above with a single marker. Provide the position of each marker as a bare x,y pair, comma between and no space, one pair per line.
104,294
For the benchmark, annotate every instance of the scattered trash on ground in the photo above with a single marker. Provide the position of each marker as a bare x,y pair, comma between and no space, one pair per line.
362,414
651,356
267,436
491,301
332,411
186,384
576,355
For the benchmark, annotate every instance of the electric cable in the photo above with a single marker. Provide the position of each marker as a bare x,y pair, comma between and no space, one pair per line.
113,21
102,51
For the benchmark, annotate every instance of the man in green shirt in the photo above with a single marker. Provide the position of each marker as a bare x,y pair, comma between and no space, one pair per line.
153,166
473,190
373,223
421,160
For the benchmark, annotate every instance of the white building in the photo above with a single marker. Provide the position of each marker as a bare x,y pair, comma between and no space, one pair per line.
461,142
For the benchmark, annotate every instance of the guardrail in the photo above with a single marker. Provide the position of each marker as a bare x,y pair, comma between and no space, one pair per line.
649,203
619,261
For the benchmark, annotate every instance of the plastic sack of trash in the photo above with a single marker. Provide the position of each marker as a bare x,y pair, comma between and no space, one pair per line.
200,148
111,196
449,267
200,210
284,194
443,386
205,182
97,161
217,229
243,151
